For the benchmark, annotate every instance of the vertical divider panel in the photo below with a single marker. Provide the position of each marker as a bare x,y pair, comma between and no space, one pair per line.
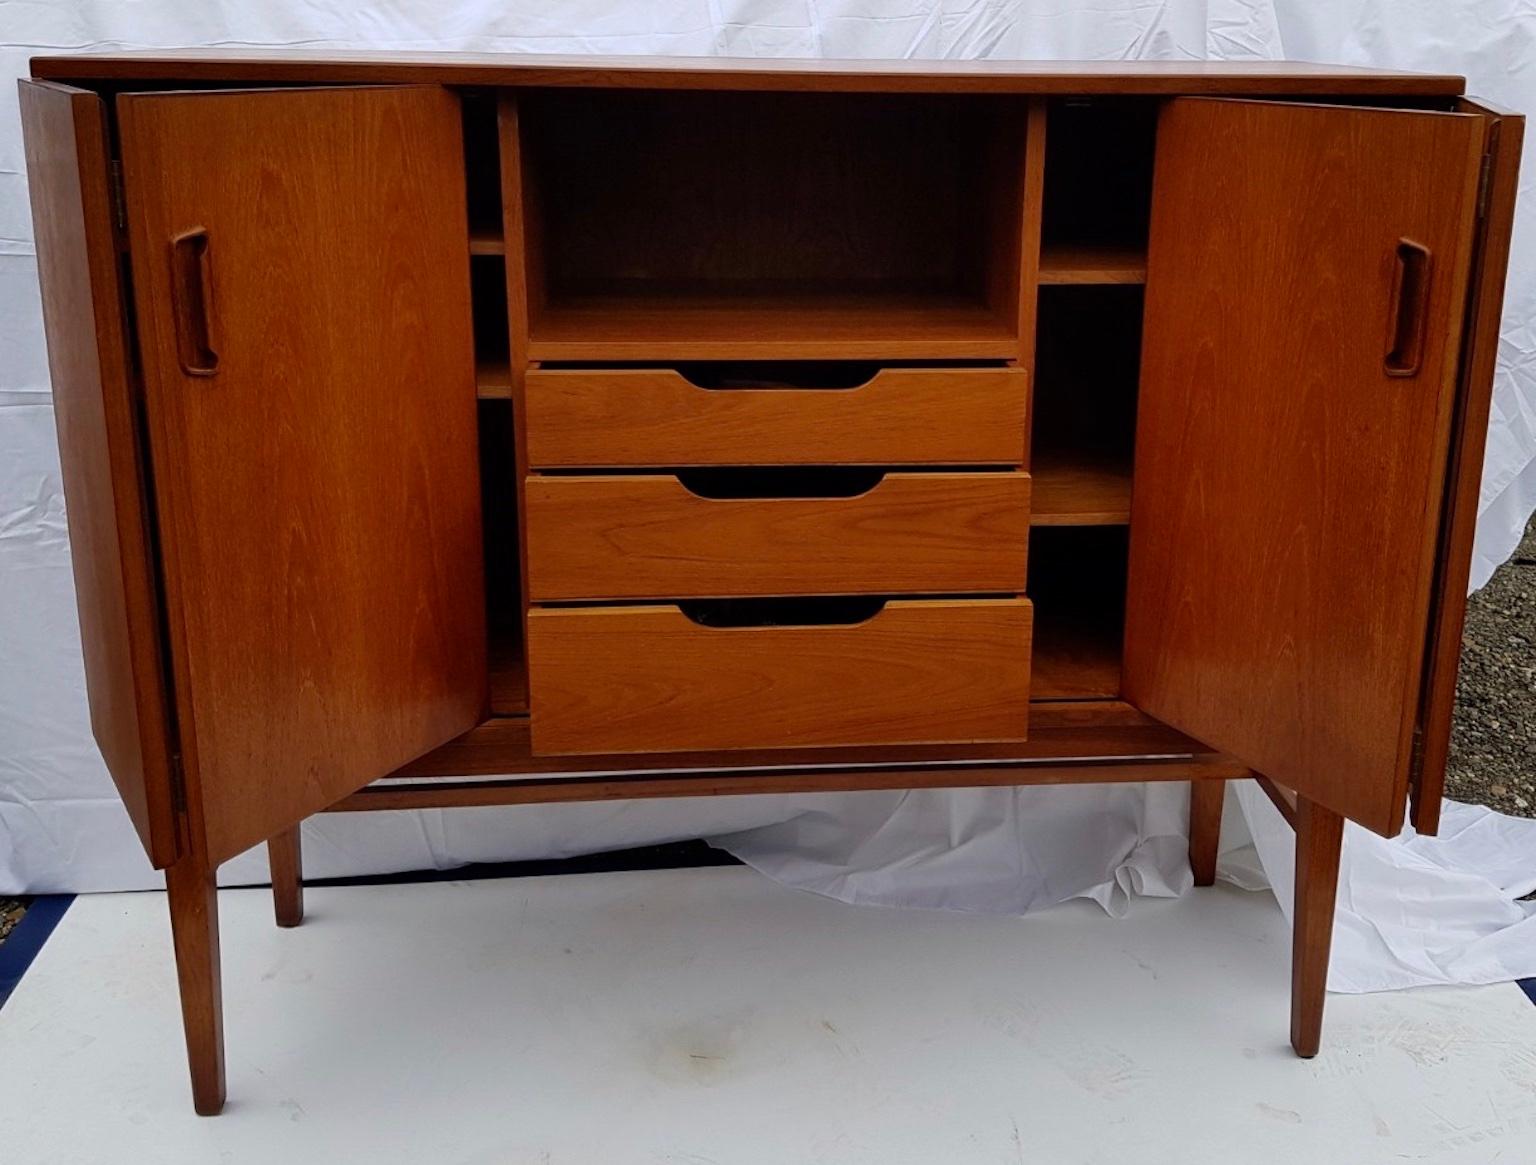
1030,215
524,292
1029,257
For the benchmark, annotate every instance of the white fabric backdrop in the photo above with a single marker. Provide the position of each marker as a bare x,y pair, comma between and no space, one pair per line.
61,827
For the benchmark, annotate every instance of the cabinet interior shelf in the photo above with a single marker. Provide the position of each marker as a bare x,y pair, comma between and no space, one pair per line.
486,241
745,327
1080,490
1074,657
1087,264
493,380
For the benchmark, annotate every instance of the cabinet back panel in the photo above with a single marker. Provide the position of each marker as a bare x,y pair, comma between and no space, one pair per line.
1098,171
1077,584
503,584
1087,362
482,166
760,193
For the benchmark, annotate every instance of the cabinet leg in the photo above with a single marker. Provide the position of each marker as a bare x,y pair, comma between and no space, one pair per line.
195,930
286,858
1319,840
1205,801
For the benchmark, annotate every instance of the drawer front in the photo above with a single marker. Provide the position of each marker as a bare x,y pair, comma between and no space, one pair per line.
650,679
649,537
653,416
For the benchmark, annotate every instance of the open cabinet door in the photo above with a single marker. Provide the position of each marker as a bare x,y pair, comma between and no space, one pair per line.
95,407
300,263
1306,283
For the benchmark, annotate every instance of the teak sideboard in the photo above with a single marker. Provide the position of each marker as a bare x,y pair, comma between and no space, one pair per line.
451,430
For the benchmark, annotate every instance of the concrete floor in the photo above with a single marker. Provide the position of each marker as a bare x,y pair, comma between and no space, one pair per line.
696,1016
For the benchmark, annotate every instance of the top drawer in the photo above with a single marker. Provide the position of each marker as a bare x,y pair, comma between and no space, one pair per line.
594,418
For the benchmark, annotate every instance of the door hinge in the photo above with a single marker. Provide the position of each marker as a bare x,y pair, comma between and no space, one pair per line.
178,786
1484,181
119,198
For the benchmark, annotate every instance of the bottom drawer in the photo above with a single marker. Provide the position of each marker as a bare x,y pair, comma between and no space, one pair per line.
652,679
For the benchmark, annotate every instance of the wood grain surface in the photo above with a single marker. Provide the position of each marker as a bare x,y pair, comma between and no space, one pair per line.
549,70
318,493
1485,301
1058,731
1319,844
648,679
647,536
1079,488
95,404
1288,487
1200,770
887,326
590,418
192,892
285,862
1086,263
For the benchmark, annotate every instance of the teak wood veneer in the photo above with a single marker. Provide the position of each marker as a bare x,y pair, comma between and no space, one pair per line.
466,430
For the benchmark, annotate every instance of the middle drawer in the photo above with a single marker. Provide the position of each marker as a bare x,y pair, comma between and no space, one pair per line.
662,536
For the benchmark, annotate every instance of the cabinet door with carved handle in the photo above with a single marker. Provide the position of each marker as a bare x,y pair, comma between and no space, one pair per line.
1307,280
301,285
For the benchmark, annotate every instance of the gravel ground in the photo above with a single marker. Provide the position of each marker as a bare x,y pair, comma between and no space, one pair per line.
1493,744
1493,740
11,910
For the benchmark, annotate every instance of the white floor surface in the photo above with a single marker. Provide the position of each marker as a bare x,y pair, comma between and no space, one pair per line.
710,1017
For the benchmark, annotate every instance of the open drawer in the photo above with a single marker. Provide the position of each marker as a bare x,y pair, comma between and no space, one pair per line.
653,679
792,413
670,536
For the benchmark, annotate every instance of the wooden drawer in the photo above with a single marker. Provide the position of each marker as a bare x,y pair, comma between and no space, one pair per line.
650,679
653,416
650,537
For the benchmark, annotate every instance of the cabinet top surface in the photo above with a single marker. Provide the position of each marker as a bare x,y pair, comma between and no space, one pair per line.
527,69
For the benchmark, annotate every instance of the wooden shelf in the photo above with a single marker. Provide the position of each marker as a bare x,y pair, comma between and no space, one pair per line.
1088,490
1075,657
493,380
864,327
1061,263
486,241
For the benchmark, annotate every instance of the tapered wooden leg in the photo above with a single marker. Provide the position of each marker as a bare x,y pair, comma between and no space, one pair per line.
286,858
1205,801
195,929
1319,840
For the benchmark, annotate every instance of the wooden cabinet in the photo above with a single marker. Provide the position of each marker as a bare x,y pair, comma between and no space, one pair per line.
587,429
